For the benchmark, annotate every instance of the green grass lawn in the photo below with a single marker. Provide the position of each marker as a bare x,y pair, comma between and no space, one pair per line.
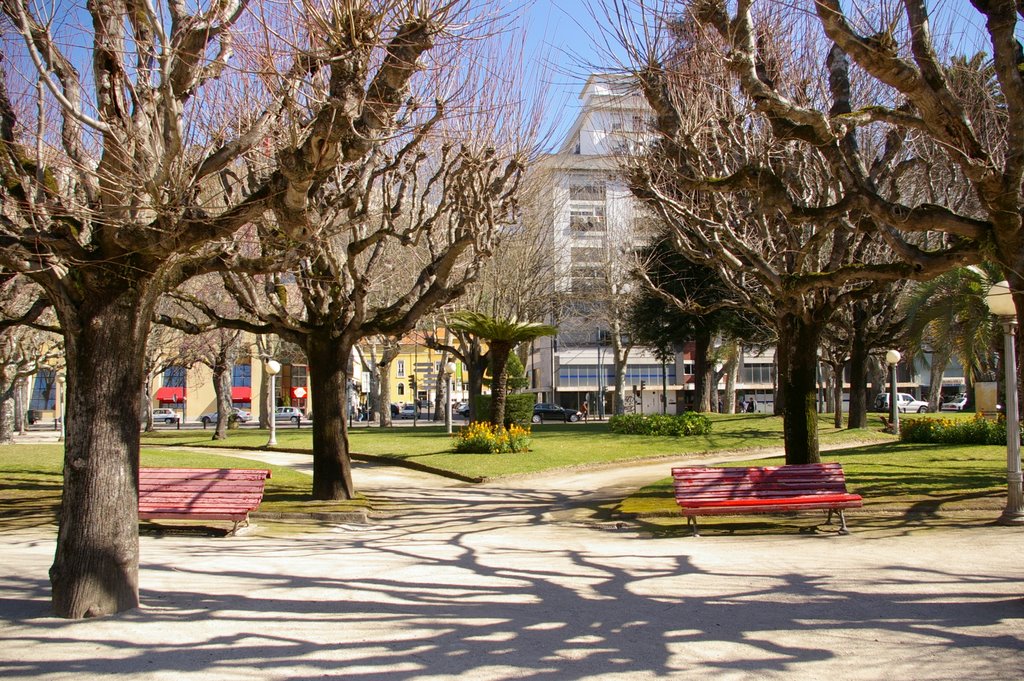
553,445
30,483
906,477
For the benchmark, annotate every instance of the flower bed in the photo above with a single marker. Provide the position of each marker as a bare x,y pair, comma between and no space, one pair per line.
484,438
975,431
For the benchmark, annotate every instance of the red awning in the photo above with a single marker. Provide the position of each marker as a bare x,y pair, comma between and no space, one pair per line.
170,394
243,394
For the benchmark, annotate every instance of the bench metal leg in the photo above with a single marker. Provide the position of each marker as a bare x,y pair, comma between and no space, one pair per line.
842,522
828,520
691,522
239,523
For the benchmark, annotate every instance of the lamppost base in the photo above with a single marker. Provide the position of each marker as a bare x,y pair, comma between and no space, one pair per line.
1010,517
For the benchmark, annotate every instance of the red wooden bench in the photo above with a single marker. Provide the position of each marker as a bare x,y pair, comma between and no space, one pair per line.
771,489
201,493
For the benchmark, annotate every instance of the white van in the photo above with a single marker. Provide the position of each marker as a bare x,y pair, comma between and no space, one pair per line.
905,402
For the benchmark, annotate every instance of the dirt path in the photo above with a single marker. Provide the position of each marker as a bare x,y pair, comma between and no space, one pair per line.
476,582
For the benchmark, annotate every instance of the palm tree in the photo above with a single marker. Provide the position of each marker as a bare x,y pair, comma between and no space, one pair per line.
502,335
949,315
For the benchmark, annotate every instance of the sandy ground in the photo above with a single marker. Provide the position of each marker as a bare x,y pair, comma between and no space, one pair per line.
513,581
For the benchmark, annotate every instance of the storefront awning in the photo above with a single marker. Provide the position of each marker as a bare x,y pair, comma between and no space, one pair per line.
242,394
170,394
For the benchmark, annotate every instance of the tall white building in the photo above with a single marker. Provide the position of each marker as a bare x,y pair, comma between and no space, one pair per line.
594,224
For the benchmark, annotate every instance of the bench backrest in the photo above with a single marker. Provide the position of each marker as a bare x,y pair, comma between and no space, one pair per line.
237,489
769,482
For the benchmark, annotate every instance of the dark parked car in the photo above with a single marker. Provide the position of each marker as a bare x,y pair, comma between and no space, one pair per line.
546,411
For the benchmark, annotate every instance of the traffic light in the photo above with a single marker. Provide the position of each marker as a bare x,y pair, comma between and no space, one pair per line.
643,385
412,384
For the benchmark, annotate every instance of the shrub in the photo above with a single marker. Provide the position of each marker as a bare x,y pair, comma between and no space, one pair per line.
975,431
687,423
518,408
481,437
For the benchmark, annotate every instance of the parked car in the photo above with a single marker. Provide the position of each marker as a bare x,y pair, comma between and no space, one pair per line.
462,410
954,404
407,412
166,415
288,414
240,414
546,411
905,402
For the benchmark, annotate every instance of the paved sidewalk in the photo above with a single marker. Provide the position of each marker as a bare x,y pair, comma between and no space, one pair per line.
502,581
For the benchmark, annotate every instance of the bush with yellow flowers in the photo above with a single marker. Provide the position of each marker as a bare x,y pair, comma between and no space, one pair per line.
480,437
974,431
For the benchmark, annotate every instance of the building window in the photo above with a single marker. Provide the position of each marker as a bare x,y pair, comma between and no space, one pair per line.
44,393
174,377
586,278
241,376
757,373
587,255
586,218
587,190
298,376
400,369
401,389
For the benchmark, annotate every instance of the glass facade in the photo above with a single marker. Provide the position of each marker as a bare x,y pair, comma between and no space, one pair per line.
586,375
757,373
174,377
241,376
44,390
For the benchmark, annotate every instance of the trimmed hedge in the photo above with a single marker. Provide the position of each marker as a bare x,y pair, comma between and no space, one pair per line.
975,431
518,408
687,423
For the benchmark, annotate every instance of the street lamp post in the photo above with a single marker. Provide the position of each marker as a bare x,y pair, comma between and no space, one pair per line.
273,368
600,381
1000,302
449,370
893,358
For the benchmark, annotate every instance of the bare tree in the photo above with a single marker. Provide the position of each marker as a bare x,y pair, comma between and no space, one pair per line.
394,241
114,195
762,196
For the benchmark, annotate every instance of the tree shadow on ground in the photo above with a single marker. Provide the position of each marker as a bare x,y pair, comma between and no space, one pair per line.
478,582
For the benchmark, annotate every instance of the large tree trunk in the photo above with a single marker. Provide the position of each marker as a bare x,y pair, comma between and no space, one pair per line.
731,371
837,393
19,406
859,358
939,361
499,353
8,404
329,360
798,347
620,384
95,568
222,390
703,368
476,365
